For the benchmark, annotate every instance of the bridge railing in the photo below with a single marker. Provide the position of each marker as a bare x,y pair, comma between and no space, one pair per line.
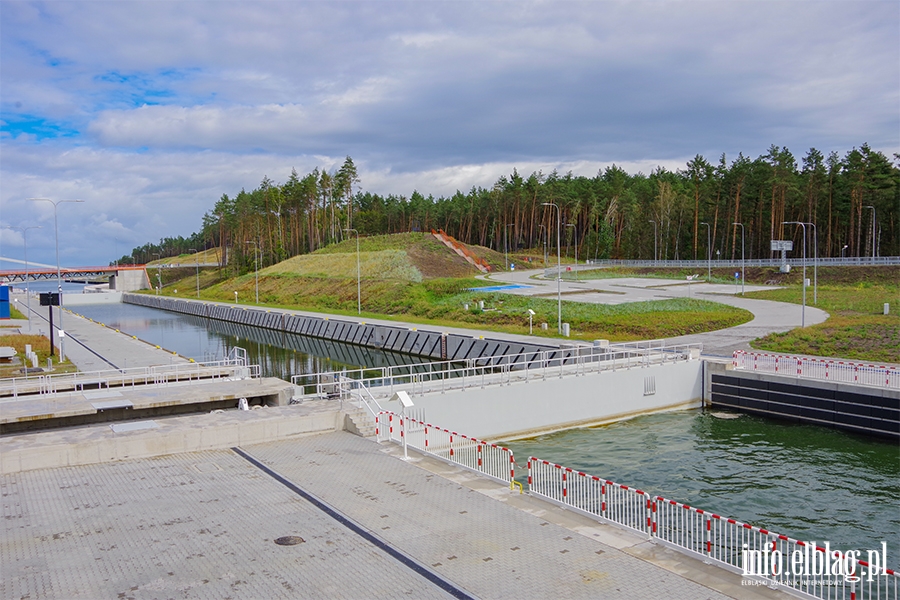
181,373
444,376
822,369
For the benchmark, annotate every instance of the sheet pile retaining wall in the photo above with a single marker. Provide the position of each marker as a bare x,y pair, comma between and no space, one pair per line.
431,344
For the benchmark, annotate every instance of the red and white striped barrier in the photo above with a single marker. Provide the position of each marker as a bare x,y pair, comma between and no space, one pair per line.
751,550
818,368
482,457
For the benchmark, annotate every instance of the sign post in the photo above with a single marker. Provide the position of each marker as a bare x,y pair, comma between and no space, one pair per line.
50,299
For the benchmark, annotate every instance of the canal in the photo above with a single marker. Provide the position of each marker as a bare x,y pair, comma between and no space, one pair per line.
807,482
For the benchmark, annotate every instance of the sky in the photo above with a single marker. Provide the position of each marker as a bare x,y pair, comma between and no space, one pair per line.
150,111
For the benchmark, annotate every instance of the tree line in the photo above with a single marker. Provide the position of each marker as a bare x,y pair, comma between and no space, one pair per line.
612,215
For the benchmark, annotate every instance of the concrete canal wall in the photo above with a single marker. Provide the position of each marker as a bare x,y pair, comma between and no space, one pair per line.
860,409
421,342
541,405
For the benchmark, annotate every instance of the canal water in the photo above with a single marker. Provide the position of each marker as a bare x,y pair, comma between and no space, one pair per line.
278,354
807,482
803,481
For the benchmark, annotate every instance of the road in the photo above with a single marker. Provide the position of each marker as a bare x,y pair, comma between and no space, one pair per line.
768,316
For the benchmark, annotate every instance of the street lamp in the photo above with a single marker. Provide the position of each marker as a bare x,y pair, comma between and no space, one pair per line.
62,333
742,256
576,247
158,276
654,242
544,241
24,231
803,310
558,269
708,255
255,267
358,288
873,231
815,264
197,266
506,244
842,251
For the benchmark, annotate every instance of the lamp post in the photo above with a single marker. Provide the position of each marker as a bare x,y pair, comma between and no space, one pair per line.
544,241
358,288
575,229
158,276
197,266
815,264
842,251
708,255
803,310
558,269
742,256
654,242
873,231
506,244
62,333
255,267
24,231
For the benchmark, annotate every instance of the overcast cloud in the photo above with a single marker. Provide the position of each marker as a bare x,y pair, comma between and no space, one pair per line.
150,111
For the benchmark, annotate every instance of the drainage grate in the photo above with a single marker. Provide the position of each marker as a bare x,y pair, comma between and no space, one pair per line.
289,540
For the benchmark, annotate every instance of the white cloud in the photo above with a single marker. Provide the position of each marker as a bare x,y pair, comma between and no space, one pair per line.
168,105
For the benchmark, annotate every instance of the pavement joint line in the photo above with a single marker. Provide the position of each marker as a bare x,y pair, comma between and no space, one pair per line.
396,553
82,344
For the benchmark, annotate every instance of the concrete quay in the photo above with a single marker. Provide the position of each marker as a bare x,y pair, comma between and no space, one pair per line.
203,524
32,412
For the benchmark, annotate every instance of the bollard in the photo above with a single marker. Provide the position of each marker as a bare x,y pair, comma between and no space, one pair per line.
565,329
887,308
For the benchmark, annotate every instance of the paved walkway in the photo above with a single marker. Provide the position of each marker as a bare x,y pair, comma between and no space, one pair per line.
203,525
92,347
768,316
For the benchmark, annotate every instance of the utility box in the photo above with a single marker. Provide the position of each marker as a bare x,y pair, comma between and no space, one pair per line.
4,302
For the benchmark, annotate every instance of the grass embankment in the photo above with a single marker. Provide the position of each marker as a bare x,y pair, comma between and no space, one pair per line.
857,328
853,296
414,278
39,344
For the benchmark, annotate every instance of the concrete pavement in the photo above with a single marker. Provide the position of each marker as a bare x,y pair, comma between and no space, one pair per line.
204,525
768,316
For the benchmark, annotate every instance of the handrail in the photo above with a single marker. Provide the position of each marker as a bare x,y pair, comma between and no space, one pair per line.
491,460
230,368
821,369
443,376
753,551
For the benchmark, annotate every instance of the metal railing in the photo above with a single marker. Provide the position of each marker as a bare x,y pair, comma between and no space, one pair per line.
443,376
731,263
805,367
752,551
482,457
234,367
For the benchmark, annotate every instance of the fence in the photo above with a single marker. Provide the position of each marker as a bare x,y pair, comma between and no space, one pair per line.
818,368
776,559
234,367
488,459
443,376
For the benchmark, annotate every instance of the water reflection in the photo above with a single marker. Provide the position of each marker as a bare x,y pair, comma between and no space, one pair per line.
279,354
808,482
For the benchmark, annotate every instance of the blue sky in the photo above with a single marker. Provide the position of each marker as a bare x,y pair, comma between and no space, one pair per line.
150,111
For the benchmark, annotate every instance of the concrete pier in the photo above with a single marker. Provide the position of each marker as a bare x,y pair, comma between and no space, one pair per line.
205,524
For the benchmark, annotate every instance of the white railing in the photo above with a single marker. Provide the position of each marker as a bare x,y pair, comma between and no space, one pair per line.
805,367
754,552
443,376
182,373
482,457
